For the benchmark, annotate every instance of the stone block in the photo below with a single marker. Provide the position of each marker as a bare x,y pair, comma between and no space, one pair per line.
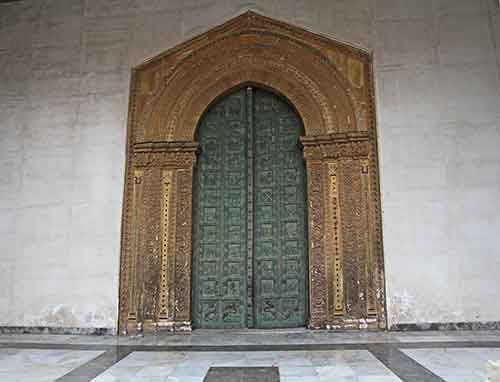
402,178
282,9
400,43
158,5
471,174
6,285
15,67
101,113
473,143
94,160
17,38
388,99
154,32
418,96
11,132
22,12
62,9
285,10
60,88
105,83
12,89
468,94
46,177
496,32
108,31
55,62
99,8
418,145
43,234
90,226
403,9
203,15
444,7
305,15
60,32
50,124
105,58
354,9
358,32
465,39
97,188
10,182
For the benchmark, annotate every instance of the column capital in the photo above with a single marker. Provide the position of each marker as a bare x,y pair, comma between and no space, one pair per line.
178,154
335,146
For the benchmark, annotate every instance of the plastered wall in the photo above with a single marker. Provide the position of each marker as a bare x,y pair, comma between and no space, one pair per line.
64,78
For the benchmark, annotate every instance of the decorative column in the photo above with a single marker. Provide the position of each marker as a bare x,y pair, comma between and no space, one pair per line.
345,256
160,225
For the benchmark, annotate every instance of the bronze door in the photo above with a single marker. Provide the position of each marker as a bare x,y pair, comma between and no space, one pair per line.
250,244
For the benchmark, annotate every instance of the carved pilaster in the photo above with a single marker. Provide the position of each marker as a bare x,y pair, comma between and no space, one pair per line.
344,284
159,270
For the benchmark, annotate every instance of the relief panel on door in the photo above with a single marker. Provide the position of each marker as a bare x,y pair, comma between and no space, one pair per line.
220,197
280,257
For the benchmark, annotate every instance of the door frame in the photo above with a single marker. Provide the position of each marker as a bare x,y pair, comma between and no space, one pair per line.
330,84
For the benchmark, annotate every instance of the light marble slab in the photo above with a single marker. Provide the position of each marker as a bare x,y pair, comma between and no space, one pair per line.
34,365
493,371
455,364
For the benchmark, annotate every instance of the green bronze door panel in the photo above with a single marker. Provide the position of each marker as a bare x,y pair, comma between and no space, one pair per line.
220,229
249,242
280,259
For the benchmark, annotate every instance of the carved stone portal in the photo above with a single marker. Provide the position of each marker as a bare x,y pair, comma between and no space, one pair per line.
331,86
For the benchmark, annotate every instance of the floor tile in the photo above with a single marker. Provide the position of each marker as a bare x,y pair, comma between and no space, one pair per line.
35,365
456,364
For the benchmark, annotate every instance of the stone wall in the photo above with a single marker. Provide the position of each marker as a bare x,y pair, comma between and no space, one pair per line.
64,77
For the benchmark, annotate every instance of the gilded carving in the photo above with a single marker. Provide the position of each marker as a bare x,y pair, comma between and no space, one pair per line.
331,86
335,250
166,247
136,228
317,267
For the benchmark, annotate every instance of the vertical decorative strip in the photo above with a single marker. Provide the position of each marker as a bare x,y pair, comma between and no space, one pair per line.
317,277
135,224
334,207
184,181
371,305
150,255
172,234
165,246
250,206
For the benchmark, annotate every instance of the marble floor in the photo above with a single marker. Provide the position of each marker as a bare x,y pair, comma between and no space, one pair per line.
294,366
42,365
456,364
298,355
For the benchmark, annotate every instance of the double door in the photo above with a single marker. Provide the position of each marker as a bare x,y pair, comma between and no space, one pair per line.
249,235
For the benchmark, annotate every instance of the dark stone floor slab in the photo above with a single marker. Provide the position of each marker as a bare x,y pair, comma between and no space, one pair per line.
242,374
93,368
402,365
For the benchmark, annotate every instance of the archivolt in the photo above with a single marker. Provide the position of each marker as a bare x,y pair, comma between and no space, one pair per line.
308,79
